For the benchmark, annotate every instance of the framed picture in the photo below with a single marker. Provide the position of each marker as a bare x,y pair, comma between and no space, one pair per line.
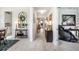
68,20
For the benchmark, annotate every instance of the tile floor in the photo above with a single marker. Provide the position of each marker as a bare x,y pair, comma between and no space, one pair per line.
41,45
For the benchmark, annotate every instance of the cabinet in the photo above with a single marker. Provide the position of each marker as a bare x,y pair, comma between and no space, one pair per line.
49,36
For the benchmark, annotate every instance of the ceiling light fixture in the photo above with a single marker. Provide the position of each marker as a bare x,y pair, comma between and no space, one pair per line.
42,11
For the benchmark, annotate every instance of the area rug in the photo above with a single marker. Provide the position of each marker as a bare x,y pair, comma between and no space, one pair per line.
7,45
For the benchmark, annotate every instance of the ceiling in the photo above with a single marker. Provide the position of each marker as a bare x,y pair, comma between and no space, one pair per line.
44,10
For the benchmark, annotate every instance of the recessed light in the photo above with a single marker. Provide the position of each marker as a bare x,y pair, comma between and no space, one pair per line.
42,11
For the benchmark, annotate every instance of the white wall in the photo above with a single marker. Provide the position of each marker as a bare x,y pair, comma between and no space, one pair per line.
70,11
77,22
15,11
30,24
35,25
1,20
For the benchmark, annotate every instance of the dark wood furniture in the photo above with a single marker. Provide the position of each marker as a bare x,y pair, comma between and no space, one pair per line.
2,34
21,33
49,35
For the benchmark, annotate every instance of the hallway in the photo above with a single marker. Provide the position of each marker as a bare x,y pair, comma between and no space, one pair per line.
41,35
39,43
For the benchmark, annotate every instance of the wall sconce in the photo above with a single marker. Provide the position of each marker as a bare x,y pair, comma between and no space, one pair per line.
16,23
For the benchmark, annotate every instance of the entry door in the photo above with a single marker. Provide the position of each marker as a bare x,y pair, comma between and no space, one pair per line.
8,22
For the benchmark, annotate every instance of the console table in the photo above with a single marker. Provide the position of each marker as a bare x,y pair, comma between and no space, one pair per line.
21,33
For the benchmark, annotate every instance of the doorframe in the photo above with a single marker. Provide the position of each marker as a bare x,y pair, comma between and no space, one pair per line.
11,19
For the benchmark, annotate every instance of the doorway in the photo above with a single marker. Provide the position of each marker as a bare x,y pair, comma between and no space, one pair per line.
43,23
8,22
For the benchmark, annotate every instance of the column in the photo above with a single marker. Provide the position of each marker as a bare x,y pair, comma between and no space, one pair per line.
55,26
30,24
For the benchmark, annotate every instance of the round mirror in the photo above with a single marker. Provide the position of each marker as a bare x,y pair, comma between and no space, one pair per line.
22,16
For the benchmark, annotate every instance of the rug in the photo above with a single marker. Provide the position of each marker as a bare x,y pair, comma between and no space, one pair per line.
8,43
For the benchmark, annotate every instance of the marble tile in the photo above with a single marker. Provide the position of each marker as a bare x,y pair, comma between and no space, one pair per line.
40,44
